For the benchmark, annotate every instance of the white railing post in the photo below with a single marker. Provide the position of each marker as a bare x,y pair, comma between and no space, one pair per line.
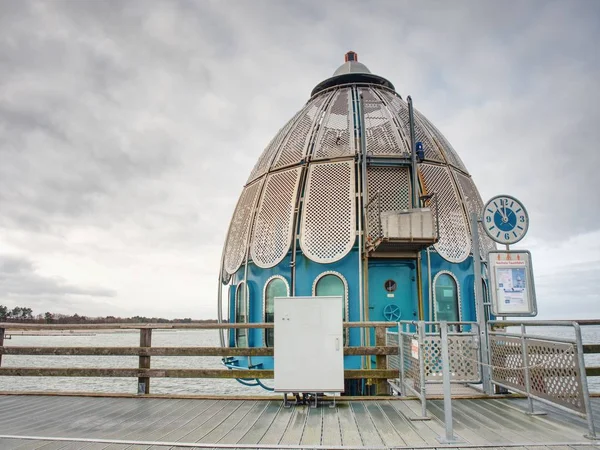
449,438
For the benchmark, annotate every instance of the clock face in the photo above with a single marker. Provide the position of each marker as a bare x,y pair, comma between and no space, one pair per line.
505,219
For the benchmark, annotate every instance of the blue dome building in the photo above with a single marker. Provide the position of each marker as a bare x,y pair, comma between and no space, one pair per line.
337,205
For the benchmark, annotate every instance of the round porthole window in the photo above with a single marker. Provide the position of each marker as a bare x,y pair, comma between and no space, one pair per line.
390,285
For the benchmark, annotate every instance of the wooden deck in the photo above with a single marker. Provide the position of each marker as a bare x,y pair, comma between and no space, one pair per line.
159,423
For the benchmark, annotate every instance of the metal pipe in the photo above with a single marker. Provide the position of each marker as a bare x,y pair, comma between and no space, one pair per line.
526,369
430,286
421,331
480,309
364,191
420,288
413,154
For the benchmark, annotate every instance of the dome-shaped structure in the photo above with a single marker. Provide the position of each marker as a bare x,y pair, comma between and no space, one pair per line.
314,203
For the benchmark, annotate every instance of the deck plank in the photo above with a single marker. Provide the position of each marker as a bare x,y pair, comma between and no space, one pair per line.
203,412
368,432
144,423
98,418
213,422
481,422
313,429
226,425
176,420
386,430
238,430
262,424
348,426
277,428
428,430
402,425
539,427
332,435
295,429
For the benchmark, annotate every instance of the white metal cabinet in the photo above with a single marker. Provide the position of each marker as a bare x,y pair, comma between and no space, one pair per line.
309,345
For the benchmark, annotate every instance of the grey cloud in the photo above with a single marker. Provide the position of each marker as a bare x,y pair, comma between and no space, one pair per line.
128,128
19,277
569,293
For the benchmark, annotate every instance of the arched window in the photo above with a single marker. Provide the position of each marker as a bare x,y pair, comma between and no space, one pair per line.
333,284
275,287
241,314
446,295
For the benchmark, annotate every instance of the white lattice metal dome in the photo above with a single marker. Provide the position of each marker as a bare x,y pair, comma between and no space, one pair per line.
308,176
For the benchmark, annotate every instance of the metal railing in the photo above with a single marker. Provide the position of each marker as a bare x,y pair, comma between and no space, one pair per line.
549,369
420,359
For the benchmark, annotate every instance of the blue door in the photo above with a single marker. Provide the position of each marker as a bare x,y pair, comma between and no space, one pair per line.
392,291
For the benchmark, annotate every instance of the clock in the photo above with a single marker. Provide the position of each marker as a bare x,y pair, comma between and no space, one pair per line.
505,219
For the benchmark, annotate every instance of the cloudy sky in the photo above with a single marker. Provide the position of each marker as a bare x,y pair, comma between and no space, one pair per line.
127,129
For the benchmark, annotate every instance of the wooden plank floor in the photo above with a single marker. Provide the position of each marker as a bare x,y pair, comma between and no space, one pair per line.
143,423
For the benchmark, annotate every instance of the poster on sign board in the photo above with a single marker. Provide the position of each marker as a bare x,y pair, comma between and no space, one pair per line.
511,283
414,348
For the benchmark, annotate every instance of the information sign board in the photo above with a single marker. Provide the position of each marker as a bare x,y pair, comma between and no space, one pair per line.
511,283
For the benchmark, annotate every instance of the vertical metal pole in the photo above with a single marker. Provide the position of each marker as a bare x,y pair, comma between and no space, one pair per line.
364,311
421,331
481,320
220,307
401,355
144,363
413,154
584,385
449,438
1,343
363,153
430,286
526,369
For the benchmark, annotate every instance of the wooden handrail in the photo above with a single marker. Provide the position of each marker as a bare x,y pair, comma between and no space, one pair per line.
166,326
379,374
145,351
176,351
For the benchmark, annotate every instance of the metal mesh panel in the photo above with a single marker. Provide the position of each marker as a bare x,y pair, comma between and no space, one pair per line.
295,144
394,105
474,204
507,361
392,184
382,136
464,358
393,361
449,152
328,228
273,227
266,158
237,238
411,365
336,134
430,148
454,242
554,373
553,369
